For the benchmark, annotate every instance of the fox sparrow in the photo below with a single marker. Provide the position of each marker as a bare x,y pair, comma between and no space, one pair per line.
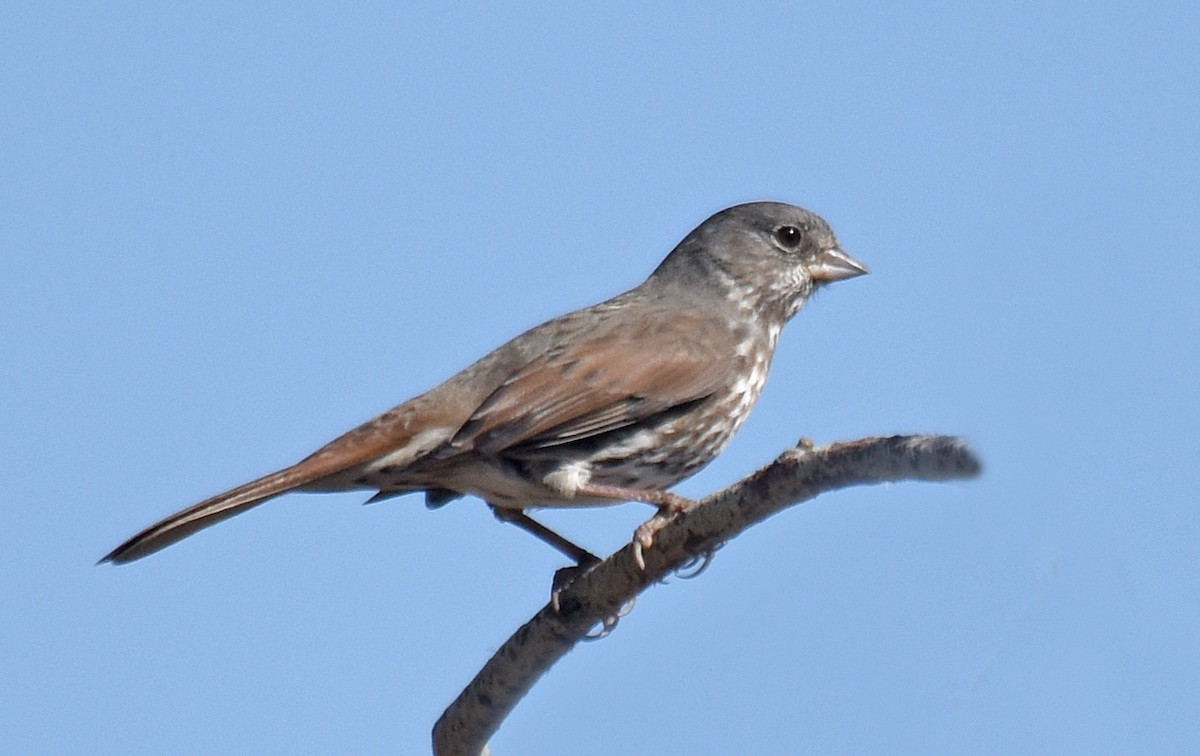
615,402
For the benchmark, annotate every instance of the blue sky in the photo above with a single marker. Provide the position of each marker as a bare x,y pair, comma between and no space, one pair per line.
231,232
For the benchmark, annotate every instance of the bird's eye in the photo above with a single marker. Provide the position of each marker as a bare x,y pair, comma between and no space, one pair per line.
789,236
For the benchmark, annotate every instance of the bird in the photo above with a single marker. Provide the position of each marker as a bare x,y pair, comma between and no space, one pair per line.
614,402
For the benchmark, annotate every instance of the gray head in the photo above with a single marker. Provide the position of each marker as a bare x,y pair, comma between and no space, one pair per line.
768,255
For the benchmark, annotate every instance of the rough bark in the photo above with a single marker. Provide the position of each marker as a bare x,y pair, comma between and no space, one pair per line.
596,597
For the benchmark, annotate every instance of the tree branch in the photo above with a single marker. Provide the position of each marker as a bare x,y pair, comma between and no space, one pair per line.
599,594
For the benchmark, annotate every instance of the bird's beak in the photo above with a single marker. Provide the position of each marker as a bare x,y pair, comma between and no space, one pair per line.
830,265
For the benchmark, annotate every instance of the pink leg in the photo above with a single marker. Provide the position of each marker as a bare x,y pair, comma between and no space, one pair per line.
668,504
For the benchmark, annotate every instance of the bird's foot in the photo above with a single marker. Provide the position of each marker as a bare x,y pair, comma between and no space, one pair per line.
669,505
564,576
695,566
609,623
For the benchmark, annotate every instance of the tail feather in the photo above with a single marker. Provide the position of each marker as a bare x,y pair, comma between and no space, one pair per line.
209,512
388,434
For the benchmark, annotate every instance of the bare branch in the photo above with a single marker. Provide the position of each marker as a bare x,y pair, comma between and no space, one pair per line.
797,475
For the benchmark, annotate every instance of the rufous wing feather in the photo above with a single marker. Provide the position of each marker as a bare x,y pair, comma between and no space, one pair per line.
606,382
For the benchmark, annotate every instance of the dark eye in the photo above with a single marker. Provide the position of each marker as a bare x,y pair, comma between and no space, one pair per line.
789,236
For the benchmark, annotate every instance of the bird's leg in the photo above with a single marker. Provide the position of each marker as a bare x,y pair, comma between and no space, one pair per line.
668,504
582,556
564,576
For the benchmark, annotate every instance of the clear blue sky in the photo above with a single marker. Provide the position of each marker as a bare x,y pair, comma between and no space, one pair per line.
230,232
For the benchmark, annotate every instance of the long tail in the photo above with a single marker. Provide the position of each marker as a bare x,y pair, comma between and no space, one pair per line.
211,511
386,434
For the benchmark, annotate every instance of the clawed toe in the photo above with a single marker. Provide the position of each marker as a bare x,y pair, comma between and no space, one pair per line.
643,537
564,576
609,623
696,566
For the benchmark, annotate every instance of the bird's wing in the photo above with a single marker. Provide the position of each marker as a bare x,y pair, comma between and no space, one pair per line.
607,381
